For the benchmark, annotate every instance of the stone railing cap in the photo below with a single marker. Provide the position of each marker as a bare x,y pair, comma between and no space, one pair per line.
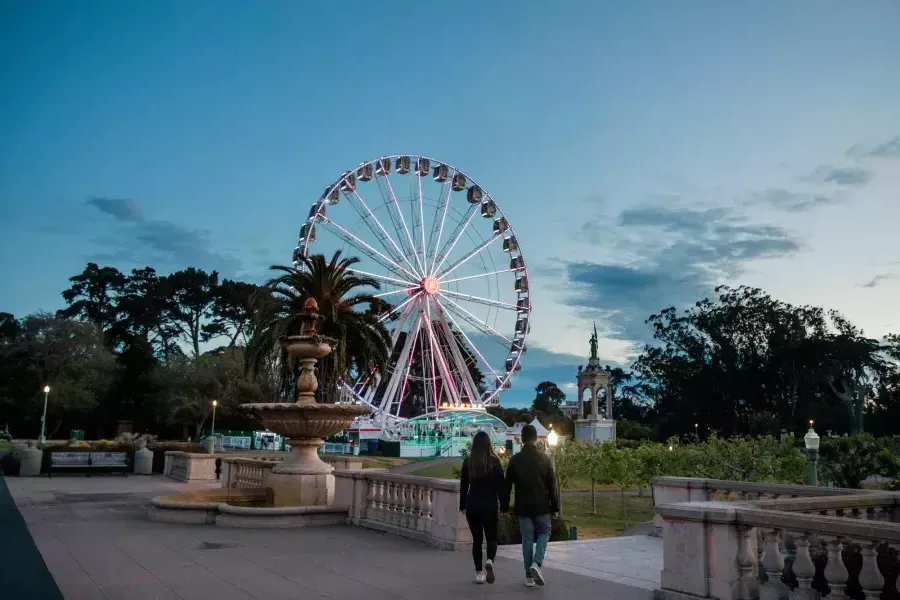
448,485
752,486
747,515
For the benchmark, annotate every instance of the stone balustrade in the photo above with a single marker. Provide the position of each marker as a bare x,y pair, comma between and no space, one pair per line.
245,473
415,507
796,543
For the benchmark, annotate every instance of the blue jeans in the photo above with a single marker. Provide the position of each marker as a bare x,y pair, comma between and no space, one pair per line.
534,529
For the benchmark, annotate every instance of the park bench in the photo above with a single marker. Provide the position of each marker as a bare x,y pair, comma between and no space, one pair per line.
89,461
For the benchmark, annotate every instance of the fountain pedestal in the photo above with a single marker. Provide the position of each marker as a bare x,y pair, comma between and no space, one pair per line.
304,479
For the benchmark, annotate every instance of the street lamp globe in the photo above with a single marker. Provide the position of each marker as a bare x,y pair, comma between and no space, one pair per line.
811,439
552,439
46,389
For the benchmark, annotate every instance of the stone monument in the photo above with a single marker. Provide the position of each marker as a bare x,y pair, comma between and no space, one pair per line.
593,377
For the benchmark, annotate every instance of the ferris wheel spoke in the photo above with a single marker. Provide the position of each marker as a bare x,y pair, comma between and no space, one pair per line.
484,327
471,254
401,291
437,228
460,230
480,300
477,275
454,346
381,277
436,349
422,221
396,203
449,315
387,316
368,250
384,234
401,369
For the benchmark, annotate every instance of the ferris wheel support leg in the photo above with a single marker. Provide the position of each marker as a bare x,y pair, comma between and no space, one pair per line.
456,355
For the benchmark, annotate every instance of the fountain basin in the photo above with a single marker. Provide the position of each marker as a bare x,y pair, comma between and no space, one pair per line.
304,479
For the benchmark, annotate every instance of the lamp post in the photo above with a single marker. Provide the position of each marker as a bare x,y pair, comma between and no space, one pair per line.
552,440
44,416
811,441
697,431
213,426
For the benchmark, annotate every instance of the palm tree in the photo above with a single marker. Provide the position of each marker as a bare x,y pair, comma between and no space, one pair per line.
363,341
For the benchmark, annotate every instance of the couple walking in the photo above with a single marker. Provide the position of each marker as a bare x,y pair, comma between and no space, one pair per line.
484,497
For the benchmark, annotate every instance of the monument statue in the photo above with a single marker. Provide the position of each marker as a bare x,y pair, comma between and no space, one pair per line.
594,342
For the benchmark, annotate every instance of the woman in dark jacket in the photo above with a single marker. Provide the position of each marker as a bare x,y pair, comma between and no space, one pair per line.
482,495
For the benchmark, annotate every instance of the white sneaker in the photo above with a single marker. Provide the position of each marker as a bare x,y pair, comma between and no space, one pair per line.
489,571
537,575
529,582
479,577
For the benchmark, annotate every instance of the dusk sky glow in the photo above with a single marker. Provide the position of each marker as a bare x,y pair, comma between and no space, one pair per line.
644,151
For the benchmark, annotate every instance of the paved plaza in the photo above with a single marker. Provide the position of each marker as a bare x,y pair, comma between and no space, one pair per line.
98,543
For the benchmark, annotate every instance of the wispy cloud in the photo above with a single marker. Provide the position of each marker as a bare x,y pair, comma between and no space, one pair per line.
888,149
843,176
878,279
139,241
689,252
783,199
124,209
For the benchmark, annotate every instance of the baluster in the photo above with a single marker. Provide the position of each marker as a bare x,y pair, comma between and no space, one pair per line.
870,579
887,513
392,502
416,507
379,501
370,499
401,503
773,564
427,508
804,569
747,563
835,572
406,493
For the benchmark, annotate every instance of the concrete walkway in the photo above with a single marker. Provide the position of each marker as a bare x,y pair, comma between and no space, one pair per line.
98,544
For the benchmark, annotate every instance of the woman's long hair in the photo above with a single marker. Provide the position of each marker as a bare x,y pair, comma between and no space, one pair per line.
481,456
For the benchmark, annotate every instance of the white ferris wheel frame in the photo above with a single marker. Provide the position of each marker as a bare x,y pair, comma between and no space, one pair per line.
427,306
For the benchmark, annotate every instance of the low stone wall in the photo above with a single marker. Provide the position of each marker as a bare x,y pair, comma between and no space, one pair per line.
190,466
745,541
421,508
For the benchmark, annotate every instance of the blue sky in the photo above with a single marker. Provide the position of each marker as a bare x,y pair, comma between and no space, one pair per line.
644,151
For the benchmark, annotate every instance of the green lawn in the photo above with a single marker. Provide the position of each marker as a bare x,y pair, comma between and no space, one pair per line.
610,520
445,470
5,445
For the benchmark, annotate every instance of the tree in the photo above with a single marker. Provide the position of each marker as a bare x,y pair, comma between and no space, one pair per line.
567,466
233,310
69,356
593,461
91,297
624,470
145,305
190,310
548,398
363,342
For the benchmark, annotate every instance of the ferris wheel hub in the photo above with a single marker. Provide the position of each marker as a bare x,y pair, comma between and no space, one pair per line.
431,285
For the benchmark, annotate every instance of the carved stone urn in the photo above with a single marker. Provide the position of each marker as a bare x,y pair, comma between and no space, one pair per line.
304,479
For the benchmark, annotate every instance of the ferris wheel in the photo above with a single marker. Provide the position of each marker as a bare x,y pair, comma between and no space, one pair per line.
452,275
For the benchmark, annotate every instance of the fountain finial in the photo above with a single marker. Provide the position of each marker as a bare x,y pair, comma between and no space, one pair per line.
310,317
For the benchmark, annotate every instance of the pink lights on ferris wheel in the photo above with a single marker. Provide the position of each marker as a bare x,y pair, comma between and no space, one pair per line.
453,279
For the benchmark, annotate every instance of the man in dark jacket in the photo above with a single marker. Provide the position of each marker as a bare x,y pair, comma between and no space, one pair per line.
531,475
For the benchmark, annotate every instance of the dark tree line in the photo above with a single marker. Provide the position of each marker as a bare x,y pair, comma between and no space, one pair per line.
117,352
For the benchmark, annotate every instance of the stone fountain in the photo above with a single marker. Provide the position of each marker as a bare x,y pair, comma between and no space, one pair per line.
304,479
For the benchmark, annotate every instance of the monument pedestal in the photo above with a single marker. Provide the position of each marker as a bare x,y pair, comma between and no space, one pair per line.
595,430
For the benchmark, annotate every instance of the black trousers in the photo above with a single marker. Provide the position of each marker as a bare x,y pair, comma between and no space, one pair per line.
483,525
